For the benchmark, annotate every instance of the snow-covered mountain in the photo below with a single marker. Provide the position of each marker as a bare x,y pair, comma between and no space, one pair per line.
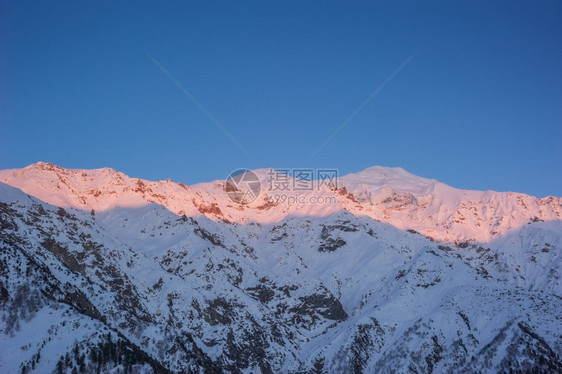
392,272
389,195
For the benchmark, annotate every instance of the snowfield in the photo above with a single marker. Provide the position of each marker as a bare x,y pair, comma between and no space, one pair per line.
100,272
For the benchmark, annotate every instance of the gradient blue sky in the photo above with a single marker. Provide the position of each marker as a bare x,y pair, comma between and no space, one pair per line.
478,107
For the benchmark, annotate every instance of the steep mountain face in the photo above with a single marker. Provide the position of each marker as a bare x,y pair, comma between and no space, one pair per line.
389,195
101,272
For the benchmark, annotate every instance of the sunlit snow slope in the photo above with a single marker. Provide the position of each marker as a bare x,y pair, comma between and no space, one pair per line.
389,195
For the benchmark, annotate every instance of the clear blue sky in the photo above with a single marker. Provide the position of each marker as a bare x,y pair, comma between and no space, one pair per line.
479,106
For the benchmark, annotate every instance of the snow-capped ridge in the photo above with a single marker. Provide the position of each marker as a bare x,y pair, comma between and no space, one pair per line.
390,195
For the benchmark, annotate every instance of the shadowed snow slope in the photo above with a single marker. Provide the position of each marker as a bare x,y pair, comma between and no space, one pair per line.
396,273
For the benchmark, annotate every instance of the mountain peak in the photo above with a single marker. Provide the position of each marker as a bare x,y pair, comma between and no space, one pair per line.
396,178
187,278
390,195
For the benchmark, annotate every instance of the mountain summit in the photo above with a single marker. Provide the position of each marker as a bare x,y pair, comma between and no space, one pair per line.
389,195
376,271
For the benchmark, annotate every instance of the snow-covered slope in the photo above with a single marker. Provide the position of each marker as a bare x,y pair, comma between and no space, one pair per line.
389,195
398,273
443,212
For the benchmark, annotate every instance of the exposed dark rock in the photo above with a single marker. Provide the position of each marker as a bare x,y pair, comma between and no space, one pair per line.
219,311
324,304
4,294
261,292
435,355
212,238
331,244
